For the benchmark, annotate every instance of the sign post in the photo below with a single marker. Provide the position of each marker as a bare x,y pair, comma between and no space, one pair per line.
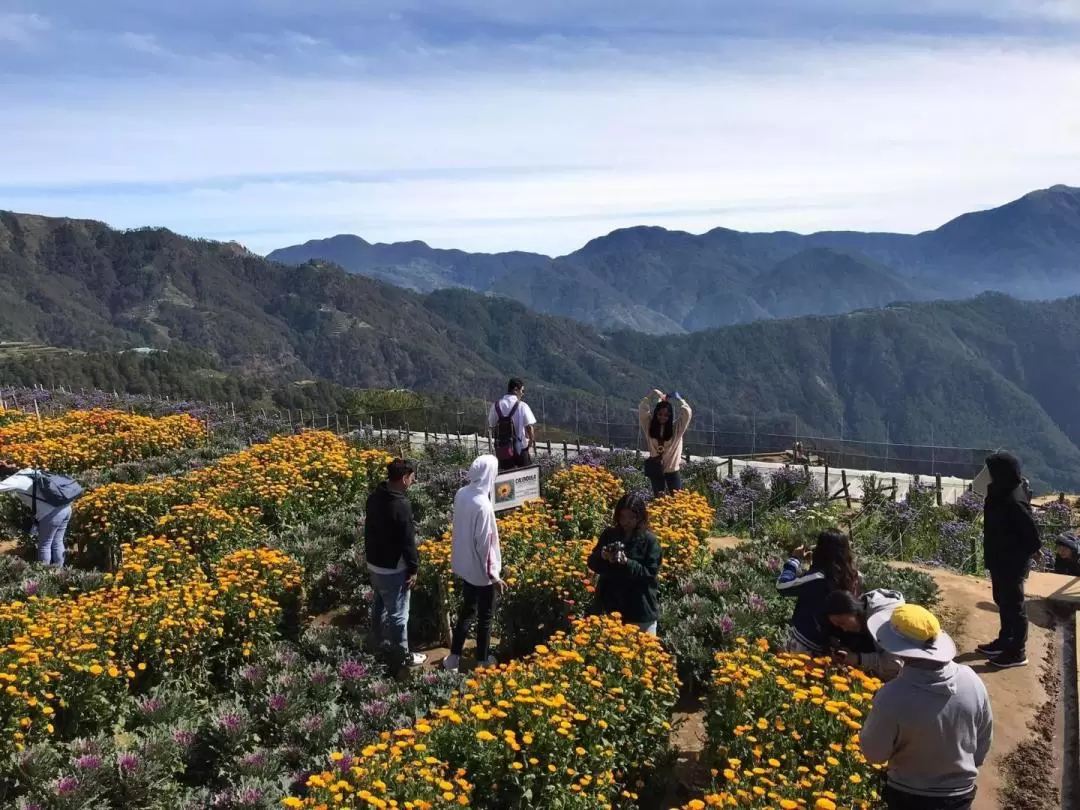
516,488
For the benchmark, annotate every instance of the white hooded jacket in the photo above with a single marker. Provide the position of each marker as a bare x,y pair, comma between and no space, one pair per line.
476,556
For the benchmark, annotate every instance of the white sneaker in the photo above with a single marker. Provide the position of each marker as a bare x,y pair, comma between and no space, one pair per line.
416,659
451,662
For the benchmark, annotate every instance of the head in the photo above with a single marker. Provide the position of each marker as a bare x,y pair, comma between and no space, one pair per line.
662,425
631,513
482,473
1068,546
914,635
516,387
845,611
1004,469
7,468
401,473
832,555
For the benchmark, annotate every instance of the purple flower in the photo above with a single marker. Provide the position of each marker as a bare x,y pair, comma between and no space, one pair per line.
344,763
352,670
251,674
312,724
377,709
249,796
150,706
404,697
429,678
278,703
755,603
66,786
128,761
183,737
352,734
31,587
88,762
380,689
231,723
254,761
726,624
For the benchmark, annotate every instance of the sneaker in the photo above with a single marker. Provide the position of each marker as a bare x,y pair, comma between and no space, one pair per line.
489,662
416,659
1008,660
451,662
991,649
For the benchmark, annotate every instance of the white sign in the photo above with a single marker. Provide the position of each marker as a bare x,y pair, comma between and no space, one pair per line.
516,487
981,482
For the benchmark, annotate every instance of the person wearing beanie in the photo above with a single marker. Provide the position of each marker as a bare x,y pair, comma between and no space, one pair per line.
850,640
933,724
1010,540
1067,559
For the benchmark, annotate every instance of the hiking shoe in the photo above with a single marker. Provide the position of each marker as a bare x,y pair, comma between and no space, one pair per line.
991,649
1008,660
415,659
451,662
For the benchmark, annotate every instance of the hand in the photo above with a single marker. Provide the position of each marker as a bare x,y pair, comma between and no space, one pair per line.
674,395
841,657
620,558
799,552
500,587
410,581
660,394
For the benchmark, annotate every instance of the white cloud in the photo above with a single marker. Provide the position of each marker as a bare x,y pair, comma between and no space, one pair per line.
21,29
788,137
142,43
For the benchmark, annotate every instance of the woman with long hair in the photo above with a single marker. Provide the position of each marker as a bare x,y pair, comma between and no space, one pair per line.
664,432
832,568
627,557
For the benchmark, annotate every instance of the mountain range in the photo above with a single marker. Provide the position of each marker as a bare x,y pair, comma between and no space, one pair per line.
668,282
986,372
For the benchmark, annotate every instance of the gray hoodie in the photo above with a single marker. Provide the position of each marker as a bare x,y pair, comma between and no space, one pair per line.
934,726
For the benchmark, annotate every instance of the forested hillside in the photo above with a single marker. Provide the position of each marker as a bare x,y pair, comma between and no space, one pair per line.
987,372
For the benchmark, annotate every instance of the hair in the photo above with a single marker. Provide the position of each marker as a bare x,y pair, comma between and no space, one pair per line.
399,468
841,603
833,557
633,502
662,432
7,468
514,385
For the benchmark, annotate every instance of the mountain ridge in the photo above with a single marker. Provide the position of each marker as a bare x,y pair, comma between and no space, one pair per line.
1029,248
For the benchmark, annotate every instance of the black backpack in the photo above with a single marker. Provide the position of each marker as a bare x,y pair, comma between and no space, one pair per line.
505,433
55,490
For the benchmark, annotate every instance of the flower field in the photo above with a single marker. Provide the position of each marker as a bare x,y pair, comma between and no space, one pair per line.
83,440
179,667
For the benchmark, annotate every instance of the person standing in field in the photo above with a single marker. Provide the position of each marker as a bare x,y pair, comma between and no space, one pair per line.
1010,540
627,557
513,427
393,561
933,724
476,559
664,434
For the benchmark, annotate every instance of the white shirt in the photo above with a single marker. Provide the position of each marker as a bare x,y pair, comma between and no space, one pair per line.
523,418
21,485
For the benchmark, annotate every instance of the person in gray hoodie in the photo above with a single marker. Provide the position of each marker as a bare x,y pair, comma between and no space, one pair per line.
933,724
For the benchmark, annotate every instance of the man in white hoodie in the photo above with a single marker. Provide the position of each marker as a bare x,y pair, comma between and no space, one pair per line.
476,559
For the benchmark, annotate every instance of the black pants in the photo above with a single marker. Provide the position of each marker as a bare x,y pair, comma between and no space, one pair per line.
522,459
665,482
1008,588
899,800
476,603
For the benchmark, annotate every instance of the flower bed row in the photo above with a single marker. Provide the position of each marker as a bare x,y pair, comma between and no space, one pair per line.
577,724
231,503
83,440
783,733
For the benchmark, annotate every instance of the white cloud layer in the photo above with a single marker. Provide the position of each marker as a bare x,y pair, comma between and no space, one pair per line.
548,144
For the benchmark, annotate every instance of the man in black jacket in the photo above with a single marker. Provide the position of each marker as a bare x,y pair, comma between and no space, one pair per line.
1010,540
393,561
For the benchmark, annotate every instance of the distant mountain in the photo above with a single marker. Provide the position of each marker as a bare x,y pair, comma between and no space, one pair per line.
987,372
654,280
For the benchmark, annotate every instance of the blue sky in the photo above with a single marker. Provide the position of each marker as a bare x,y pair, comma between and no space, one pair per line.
492,125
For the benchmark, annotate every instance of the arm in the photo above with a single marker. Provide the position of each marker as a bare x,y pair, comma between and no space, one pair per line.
1027,532
493,417
403,521
530,423
485,538
878,735
596,562
687,415
790,583
645,408
648,567
985,732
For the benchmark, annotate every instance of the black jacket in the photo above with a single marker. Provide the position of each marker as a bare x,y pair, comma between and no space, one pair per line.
809,590
1068,565
630,589
1010,536
389,534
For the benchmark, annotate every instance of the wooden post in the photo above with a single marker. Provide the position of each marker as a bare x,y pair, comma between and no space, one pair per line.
847,491
37,413
827,488
894,488
937,485
731,467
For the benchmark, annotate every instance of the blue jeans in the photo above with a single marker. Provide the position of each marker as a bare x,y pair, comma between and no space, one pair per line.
50,540
665,482
390,612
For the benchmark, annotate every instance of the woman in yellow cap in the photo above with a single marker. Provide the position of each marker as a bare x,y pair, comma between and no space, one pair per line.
933,724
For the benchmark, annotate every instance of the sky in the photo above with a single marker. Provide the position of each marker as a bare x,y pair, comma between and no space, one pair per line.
497,124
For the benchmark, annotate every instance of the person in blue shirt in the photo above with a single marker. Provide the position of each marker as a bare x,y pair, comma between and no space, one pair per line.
832,568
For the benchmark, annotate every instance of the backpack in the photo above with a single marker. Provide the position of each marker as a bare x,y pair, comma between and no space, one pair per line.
55,490
505,433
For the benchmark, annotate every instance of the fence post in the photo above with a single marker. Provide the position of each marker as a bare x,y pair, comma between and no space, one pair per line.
847,492
731,467
827,488
894,492
937,484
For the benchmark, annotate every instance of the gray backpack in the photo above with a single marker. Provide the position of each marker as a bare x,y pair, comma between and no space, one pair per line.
55,490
